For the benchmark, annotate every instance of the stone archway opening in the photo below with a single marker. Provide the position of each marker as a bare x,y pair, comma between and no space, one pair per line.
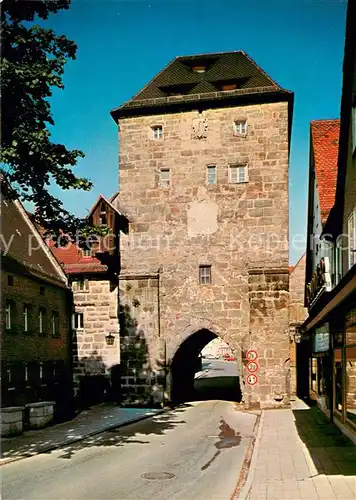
196,378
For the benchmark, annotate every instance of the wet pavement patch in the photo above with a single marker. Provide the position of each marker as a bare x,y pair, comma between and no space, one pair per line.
157,475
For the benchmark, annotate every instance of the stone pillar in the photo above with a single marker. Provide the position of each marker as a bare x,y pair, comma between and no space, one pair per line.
269,337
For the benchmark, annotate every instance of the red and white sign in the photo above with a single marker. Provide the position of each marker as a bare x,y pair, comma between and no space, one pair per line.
252,366
251,355
252,379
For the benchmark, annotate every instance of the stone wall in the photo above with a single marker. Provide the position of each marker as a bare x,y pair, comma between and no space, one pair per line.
141,358
92,356
231,227
297,313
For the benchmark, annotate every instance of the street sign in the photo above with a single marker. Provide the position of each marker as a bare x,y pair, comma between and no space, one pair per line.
252,366
252,379
251,355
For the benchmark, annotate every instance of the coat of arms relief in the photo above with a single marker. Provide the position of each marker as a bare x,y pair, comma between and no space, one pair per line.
200,128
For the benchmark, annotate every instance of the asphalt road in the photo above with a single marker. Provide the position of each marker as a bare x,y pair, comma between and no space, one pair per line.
217,380
191,453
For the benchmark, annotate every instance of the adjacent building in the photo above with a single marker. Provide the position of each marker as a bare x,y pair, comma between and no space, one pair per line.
203,174
92,265
330,330
35,316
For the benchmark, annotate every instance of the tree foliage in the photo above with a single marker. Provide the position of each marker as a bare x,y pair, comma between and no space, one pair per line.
33,60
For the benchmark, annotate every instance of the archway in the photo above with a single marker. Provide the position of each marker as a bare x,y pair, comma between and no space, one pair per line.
184,366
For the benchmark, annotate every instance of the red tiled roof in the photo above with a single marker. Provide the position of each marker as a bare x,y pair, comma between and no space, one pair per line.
70,257
325,143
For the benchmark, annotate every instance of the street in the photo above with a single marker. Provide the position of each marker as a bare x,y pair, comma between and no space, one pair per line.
218,379
193,452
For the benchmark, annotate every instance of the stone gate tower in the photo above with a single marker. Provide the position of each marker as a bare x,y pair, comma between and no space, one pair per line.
203,168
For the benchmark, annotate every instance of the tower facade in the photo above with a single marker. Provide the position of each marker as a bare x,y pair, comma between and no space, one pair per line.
203,175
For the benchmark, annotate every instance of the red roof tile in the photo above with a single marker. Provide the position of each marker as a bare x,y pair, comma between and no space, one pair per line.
71,258
325,143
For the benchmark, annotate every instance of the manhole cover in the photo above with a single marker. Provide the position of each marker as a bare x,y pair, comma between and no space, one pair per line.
157,475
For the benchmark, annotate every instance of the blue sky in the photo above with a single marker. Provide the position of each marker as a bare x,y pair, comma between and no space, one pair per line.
123,43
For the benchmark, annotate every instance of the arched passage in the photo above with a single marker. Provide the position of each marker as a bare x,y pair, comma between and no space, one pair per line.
184,366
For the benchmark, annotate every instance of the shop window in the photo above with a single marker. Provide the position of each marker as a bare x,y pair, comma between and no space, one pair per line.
338,406
350,360
350,327
352,238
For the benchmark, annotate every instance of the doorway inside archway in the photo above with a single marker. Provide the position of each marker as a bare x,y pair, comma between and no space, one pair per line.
203,368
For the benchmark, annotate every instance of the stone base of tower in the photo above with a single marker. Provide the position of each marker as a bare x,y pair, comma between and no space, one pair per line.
266,348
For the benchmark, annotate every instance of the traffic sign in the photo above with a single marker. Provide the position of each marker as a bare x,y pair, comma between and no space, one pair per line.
252,379
251,355
252,366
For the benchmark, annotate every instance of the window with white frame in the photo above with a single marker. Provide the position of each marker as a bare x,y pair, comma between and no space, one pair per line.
55,324
8,310
205,275
240,127
25,318
78,321
211,173
238,174
352,238
86,252
81,285
157,131
165,178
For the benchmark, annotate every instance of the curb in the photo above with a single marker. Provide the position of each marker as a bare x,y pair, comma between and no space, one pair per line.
55,446
250,460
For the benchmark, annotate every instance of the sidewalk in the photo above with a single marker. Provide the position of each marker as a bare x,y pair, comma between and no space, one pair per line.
300,454
88,423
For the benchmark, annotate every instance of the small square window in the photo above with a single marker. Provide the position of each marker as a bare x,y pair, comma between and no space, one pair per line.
238,174
205,275
164,178
42,290
78,321
157,132
10,280
211,170
240,127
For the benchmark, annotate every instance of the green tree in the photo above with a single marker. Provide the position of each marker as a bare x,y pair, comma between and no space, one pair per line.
33,60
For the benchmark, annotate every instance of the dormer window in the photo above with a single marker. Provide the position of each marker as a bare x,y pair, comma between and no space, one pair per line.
86,252
229,86
157,132
240,127
199,69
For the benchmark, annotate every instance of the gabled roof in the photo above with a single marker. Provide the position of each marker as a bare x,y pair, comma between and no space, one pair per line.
22,245
325,145
180,81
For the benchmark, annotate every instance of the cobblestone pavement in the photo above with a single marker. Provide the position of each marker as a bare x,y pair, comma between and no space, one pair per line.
300,454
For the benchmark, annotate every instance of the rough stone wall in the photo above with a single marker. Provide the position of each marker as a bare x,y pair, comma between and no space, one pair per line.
91,355
231,227
269,321
297,313
141,358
